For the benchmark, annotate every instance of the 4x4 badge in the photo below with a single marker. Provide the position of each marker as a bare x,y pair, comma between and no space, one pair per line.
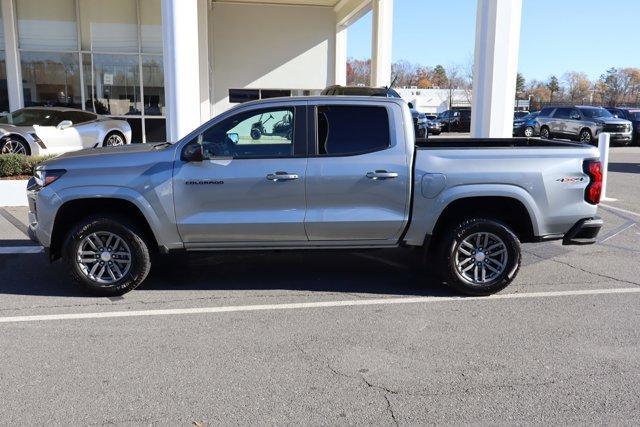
571,179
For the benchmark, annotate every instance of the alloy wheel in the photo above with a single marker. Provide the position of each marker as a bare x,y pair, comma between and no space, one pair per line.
481,258
585,136
104,257
528,132
12,146
114,140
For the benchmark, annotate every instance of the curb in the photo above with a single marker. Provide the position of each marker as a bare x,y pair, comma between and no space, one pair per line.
13,192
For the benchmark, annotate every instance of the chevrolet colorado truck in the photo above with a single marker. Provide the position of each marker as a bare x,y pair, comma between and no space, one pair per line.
345,175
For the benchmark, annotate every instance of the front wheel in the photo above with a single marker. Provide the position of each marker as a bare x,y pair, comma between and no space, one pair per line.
585,136
479,256
12,145
544,133
106,256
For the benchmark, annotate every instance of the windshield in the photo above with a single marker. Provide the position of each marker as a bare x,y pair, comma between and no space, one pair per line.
592,113
30,117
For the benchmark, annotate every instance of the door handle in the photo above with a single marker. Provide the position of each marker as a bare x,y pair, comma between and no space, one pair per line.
282,176
381,174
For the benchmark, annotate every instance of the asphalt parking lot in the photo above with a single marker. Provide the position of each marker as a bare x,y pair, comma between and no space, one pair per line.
330,338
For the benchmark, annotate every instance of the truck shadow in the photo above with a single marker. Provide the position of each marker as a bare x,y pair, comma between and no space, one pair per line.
381,273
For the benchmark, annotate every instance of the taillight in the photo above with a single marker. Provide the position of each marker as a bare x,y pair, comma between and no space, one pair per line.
592,193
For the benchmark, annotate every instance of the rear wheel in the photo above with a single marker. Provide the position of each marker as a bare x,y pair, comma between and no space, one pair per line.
107,256
478,256
114,139
13,145
528,131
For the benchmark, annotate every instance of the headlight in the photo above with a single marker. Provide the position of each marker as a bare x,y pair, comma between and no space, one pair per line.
45,177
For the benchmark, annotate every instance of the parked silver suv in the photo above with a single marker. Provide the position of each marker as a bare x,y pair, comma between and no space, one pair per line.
582,124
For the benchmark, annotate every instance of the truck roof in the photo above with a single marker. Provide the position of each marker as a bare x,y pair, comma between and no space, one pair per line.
325,98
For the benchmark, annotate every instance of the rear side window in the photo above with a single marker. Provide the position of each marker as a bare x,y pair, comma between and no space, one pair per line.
350,130
562,113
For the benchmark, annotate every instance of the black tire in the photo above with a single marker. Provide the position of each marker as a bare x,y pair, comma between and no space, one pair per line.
107,143
140,256
10,144
585,136
545,133
528,132
450,242
255,134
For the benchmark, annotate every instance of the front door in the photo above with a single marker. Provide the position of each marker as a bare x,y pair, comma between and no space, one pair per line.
250,187
358,175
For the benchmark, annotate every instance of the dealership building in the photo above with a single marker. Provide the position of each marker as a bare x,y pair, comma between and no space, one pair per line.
167,66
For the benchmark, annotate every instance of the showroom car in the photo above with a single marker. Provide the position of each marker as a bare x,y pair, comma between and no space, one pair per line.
55,130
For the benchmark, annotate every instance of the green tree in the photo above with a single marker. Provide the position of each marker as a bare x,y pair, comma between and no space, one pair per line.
520,82
439,77
553,87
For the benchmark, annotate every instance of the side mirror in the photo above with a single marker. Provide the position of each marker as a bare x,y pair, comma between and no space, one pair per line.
233,137
411,105
64,124
193,152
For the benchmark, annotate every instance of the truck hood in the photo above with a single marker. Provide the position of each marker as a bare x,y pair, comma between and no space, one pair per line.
113,157
610,120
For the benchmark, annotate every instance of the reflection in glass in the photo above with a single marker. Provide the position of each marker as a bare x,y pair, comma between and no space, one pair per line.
4,95
153,84
109,26
51,79
136,130
156,130
116,83
47,25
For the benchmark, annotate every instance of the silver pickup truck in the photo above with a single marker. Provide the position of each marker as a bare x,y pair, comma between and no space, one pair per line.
314,173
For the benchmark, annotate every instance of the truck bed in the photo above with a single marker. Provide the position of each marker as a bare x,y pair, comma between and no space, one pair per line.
439,143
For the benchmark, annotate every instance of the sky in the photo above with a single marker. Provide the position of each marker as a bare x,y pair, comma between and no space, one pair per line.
556,35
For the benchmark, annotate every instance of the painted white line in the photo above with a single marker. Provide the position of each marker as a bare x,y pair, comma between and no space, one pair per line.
614,235
301,305
5,250
620,209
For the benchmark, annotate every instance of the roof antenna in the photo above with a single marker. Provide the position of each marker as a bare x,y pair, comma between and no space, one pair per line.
392,83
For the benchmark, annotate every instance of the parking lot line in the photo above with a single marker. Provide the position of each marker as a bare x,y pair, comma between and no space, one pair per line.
303,305
620,209
9,250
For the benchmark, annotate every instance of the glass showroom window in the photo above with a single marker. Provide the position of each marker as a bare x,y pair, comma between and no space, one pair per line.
119,46
4,95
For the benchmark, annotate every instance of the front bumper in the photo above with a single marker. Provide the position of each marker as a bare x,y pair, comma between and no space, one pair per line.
584,232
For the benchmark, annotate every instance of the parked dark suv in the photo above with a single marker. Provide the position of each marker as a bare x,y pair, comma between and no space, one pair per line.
631,114
582,124
420,122
455,120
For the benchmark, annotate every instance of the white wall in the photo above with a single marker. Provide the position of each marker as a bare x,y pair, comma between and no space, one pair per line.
270,47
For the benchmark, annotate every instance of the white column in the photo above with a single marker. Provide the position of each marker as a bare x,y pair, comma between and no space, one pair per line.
203,47
12,55
340,62
382,33
495,68
181,66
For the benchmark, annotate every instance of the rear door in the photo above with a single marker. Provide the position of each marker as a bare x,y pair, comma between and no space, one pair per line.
250,186
358,173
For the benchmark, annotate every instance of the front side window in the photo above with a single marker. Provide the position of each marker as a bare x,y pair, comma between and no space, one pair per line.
595,112
254,134
349,130
77,117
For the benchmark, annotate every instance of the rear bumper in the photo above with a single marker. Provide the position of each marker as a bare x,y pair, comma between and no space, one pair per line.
584,232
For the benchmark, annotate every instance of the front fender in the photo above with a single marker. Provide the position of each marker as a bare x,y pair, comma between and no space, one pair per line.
165,233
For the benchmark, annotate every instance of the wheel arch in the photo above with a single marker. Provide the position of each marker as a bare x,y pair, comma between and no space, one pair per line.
74,210
33,149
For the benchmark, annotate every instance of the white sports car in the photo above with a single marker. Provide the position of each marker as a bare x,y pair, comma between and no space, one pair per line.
55,130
